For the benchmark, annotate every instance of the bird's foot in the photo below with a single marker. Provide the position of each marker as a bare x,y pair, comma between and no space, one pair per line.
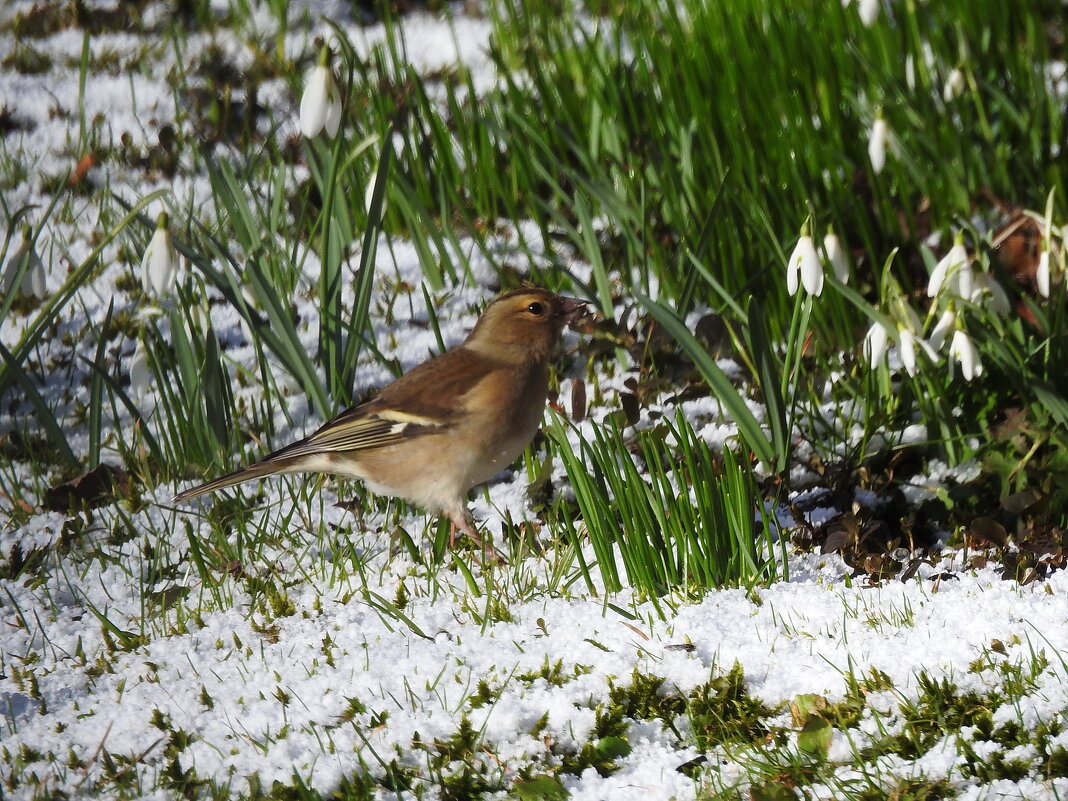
489,553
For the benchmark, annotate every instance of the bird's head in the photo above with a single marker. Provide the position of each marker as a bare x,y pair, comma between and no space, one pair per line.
524,324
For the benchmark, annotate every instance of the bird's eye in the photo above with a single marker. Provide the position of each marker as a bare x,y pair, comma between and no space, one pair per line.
536,308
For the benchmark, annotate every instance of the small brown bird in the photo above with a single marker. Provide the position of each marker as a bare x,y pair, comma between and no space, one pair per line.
449,424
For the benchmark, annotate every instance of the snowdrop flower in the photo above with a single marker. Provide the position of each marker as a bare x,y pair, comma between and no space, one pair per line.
954,85
907,349
964,352
875,343
804,263
868,10
878,141
33,279
1042,273
320,105
140,372
940,333
836,256
950,271
986,291
159,266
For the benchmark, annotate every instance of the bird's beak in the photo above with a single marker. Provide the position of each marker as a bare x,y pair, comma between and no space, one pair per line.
572,310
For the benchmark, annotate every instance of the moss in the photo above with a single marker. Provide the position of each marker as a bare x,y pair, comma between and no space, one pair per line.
27,61
553,673
911,790
723,711
483,695
940,708
645,699
607,743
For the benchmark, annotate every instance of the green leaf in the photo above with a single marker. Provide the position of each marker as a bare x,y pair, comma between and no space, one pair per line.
771,791
612,747
542,787
815,736
769,373
748,427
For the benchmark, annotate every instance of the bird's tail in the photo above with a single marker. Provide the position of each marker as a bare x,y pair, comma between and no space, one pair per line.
259,470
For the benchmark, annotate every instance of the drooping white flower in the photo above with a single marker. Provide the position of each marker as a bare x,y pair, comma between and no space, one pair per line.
986,291
836,256
947,322
34,280
1042,277
34,277
159,266
878,141
954,85
950,272
868,10
804,263
875,344
320,105
963,352
140,372
907,349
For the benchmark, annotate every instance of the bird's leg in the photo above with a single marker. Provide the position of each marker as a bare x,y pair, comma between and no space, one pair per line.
465,522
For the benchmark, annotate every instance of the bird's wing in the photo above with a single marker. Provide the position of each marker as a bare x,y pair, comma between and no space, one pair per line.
427,399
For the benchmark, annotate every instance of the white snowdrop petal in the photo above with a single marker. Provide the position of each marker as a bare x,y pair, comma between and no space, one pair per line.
809,265
875,343
1042,274
836,256
140,372
942,329
877,141
159,267
908,350
320,105
954,85
869,11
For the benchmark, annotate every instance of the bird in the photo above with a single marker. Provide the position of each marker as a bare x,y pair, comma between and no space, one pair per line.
446,426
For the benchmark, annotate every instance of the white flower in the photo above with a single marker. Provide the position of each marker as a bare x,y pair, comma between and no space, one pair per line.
988,292
964,352
954,85
836,256
875,342
907,349
946,323
320,105
950,272
877,144
140,372
159,266
868,10
1042,273
33,279
804,262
